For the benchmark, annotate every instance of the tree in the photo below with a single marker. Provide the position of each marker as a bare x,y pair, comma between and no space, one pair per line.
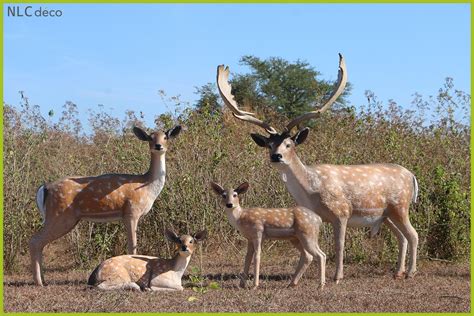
209,98
276,85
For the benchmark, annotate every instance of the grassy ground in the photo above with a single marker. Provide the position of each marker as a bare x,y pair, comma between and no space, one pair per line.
438,287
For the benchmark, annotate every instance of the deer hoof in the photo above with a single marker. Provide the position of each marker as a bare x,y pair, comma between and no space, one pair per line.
292,284
410,275
398,275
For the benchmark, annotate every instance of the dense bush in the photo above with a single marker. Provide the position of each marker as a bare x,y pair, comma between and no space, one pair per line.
214,146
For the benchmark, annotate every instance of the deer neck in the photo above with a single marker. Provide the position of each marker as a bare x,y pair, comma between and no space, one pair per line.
300,181
156,174
179,264
233,215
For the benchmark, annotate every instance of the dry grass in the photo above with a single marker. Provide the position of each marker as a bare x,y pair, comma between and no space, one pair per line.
438,287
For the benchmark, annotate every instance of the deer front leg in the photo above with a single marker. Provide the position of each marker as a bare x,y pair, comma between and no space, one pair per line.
131,223
339,238
248,261
257,245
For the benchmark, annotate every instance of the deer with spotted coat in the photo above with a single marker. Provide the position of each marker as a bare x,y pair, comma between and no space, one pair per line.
104,198
146,273
343,195
298,224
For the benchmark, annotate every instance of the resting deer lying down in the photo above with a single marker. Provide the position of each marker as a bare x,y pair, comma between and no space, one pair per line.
297,224
136,272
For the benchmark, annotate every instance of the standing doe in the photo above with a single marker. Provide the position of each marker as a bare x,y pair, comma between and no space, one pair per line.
298,224
136,272
344,195
104,198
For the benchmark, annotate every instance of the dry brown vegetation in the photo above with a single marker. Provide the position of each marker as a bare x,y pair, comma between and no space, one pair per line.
214,147
438,287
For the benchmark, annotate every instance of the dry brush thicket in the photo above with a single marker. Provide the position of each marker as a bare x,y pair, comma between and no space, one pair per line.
215,147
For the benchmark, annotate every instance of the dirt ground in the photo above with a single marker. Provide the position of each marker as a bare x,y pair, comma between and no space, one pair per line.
438,287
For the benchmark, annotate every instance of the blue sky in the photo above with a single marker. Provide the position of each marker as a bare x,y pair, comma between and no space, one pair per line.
121,55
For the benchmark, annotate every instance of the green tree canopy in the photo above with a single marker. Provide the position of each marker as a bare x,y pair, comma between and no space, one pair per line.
276,85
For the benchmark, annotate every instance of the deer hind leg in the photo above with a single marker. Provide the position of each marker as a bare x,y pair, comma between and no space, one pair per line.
248,261
257,245
52,230
303,264
411,235
310,244
339,226
402,249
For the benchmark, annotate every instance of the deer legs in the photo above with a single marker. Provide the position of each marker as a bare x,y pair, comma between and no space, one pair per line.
248,261
402,249
257,245
52,230
339,226
411,236
131,224
303,264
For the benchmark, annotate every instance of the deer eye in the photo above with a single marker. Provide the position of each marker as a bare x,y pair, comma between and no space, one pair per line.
191,241
234,195
288,145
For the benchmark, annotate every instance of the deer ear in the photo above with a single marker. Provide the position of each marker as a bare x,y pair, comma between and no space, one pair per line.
217,188
171,235
141,134
242,188
259,139
173,132
200,236
300,137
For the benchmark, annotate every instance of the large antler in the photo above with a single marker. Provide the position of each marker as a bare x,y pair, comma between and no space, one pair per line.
340,85
225,91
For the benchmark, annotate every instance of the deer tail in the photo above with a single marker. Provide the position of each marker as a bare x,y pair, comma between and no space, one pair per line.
41,195
415,190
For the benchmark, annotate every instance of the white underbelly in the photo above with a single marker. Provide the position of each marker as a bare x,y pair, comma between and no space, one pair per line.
364,221
102,220
275,233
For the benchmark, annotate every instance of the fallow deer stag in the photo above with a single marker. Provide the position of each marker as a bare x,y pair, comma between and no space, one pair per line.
297,224
136,272
104,198
344,195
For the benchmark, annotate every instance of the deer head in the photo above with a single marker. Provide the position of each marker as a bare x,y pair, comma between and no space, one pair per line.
186,244
280,145
230,197
158,141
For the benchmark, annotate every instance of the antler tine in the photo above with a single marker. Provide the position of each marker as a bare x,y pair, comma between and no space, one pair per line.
340,85
225,90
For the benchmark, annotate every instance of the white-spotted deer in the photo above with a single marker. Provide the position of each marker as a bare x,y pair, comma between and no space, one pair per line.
104,198
344,195
297,224
137,272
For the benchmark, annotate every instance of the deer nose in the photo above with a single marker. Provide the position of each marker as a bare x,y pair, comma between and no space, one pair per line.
229,205
276,157
158,147
184,248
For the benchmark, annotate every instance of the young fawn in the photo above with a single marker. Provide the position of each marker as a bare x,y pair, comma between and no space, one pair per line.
297,224
136,272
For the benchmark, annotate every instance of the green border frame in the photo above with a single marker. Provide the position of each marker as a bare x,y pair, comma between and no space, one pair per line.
223,2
